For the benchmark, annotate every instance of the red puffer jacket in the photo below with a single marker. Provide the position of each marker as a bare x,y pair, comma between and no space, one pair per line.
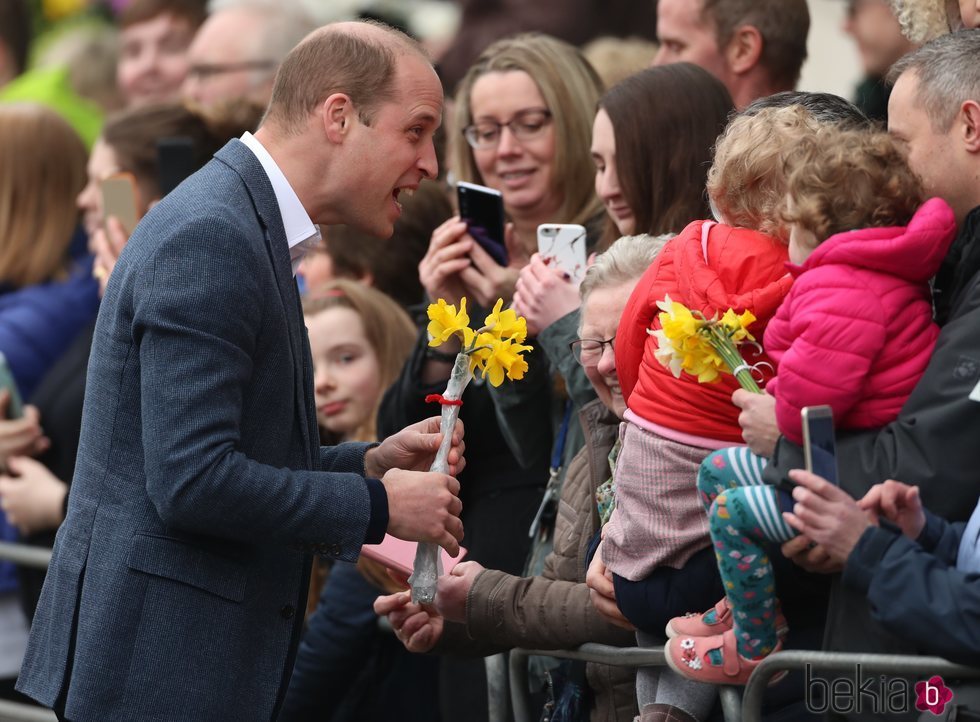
710,268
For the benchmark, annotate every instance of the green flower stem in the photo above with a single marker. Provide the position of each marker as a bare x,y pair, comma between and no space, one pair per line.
722,343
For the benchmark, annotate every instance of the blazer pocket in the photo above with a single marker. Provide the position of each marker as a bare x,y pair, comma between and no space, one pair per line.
183,562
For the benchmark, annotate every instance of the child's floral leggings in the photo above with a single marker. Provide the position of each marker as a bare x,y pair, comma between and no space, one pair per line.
742,513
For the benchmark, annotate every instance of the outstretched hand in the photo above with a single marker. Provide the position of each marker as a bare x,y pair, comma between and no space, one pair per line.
602,593
543,295
414,449
454,588
416,626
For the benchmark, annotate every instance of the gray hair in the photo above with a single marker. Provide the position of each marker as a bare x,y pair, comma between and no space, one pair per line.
285,24
625,260
948,74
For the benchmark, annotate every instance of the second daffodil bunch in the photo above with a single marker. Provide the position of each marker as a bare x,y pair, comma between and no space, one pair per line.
703,347
495,351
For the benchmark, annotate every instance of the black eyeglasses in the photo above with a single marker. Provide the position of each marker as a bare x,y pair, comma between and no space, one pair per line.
588,351
209,70
525,125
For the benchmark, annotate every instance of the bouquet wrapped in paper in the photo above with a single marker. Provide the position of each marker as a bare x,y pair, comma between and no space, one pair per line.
706,348
495,351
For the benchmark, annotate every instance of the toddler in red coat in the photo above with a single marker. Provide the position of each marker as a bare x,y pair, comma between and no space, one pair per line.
855,332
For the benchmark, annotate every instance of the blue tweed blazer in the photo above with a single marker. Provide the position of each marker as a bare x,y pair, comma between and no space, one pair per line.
179,576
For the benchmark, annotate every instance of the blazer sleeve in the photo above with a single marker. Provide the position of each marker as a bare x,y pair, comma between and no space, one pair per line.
196,360
917,595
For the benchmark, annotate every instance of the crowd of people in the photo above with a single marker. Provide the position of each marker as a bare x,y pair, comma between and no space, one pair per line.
212,405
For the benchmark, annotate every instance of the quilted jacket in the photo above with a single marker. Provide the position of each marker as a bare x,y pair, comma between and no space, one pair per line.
856,330
710,268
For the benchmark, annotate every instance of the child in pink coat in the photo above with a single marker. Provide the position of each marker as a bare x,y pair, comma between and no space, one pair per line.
855,332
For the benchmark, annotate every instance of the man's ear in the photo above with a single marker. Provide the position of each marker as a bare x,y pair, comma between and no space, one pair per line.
337,115
744,50
970,118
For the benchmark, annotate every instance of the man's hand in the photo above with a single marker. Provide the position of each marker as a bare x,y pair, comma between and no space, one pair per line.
414,448
424,506
827,515
758,421
602,594
107,245
814,558
23,436
899,503
543,295
417,627
33,498
454,588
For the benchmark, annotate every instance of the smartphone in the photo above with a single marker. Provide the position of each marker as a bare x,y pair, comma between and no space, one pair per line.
398,554
175,161
819,448
120,198
15,409
483,210
562,245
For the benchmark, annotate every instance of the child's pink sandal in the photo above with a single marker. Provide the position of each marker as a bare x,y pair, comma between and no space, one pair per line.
716,620
689,657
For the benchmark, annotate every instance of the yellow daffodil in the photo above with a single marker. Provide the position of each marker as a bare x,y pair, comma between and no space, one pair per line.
505,359
506,324
737,325
444,322
688,342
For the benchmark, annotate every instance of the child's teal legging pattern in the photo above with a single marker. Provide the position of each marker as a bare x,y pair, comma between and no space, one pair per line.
742,513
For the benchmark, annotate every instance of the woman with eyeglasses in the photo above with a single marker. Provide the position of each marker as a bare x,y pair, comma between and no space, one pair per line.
482,609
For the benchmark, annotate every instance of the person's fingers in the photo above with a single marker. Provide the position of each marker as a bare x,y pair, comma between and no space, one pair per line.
4,402
449,541
452,483
386,604
742,398
795,522
796,545
116,238
912,499
455,506
399,577
479,284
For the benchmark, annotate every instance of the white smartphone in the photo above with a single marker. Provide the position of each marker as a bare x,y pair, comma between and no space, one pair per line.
562,245
819,448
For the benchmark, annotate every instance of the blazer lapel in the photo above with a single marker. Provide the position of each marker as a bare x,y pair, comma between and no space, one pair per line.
239,157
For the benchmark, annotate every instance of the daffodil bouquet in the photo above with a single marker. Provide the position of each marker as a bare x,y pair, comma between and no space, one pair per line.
495,351
703,347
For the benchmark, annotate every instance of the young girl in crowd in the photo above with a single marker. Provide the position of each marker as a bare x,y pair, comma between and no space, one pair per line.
855,332
359,340
672,424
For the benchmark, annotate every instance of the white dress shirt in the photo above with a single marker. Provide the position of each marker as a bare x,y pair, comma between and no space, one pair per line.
301,233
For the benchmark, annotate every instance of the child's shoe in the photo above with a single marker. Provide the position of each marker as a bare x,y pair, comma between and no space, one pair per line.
714,660
716,620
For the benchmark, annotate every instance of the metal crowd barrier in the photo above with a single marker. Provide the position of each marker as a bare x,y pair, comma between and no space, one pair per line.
603,654
874,664
737,706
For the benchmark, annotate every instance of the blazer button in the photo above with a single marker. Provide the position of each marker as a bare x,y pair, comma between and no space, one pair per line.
287,611
335,549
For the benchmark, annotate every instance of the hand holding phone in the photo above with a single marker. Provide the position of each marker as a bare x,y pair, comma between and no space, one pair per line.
15,407
482,209
819,447
120,199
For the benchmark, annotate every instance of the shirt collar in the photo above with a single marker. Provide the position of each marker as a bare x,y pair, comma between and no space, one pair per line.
295,220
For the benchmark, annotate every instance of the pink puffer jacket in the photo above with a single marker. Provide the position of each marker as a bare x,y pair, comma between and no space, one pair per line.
856,329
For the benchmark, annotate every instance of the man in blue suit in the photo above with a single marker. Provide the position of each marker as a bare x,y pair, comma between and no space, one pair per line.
177,586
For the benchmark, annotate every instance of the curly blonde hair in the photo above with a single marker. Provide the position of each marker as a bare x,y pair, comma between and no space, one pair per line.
922,20
747,181
845,179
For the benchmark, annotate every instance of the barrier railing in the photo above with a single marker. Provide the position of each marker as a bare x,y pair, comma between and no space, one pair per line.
875,664
602,654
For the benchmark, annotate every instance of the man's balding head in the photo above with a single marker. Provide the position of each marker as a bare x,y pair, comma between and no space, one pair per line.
357,59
